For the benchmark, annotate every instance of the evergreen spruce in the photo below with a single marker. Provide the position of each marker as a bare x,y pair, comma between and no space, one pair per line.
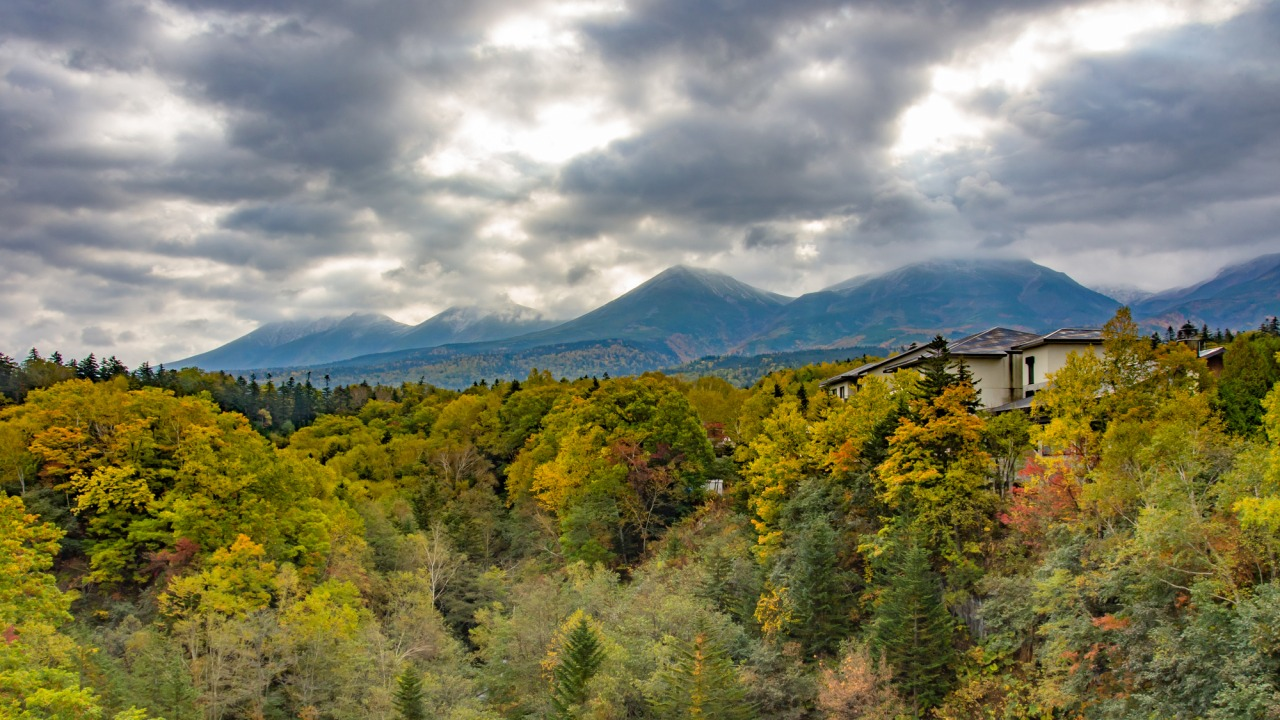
913,631
408,698
88,368
935,370
700,682
580,658
819,589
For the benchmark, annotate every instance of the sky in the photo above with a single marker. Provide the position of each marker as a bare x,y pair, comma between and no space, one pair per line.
175,173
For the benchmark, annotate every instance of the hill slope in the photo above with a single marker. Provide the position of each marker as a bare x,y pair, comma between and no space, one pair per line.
915,302
458,366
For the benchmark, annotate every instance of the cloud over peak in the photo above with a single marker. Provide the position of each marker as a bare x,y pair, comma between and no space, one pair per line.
174,173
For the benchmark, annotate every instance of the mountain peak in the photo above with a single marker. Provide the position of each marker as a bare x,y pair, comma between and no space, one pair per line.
952,296
683,270
691,311
479,322
687,279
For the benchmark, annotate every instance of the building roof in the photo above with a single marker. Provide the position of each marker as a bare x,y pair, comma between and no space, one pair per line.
996,342
1022,403
888,363
1212,352
1092,336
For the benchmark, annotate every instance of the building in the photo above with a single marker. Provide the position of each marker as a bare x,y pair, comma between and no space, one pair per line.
1008,366
846,383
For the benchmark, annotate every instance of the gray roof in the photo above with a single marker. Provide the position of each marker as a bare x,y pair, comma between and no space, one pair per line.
888,363
1022,403
1212,352
997,341
1091,336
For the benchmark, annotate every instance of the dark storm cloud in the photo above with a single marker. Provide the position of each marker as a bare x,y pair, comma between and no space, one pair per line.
90,33
762,142
715,171
729,31
282,219
96,336
296,96
205,172
228,160
1186,124
762,237
578,273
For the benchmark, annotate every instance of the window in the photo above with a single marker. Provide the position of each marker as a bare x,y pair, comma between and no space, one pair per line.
1031,370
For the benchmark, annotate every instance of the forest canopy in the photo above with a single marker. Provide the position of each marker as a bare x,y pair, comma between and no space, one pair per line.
180,544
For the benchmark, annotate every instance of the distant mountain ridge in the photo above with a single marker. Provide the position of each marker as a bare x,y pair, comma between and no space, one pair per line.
691,312
683,316
297,342
313,342
915,302
1238,297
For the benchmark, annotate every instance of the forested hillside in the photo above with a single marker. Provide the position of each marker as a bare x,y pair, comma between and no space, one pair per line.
546,548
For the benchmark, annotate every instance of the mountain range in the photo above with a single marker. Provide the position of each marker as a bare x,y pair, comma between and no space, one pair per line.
1239,297
297,343
684,314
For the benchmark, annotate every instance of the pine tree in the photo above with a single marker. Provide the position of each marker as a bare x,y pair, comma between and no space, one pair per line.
819,590
111,367
10,375
701,682
912,630
803,397
580,657
88,368
935,370
408,697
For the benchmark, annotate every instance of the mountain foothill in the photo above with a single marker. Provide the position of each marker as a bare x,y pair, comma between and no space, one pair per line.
686,314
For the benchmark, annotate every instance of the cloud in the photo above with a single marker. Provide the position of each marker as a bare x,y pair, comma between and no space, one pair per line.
1151,151
174,173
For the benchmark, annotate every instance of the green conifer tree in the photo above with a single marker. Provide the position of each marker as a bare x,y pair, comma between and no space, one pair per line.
913,631
820,591
700,682
935,370
88,368
580,659
408,698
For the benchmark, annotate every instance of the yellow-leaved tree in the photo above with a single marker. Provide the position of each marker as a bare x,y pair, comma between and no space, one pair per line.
39,665
935,475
